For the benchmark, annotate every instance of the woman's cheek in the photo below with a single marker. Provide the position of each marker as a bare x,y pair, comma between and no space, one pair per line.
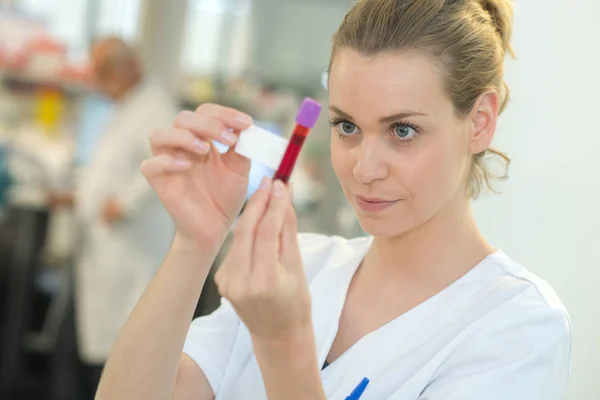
426,176
445,174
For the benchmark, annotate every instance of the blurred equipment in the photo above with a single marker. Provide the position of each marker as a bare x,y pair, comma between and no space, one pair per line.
21,240
5,179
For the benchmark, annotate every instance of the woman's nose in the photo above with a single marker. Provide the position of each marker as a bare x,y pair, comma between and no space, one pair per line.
369,165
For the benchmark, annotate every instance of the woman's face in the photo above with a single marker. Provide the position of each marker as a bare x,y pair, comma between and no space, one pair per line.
399,149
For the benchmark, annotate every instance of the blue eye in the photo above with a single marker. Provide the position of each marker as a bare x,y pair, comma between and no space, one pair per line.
404,132
345,128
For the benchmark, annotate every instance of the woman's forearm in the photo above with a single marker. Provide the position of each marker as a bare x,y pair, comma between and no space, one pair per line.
290,368
144,361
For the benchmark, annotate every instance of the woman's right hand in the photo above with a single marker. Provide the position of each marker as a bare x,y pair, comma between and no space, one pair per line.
202,189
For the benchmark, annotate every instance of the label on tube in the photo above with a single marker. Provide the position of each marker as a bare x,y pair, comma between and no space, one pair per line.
262,146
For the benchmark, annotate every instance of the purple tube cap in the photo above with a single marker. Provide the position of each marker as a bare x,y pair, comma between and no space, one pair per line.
308,113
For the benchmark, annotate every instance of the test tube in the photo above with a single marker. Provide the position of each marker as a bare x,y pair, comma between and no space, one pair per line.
305,120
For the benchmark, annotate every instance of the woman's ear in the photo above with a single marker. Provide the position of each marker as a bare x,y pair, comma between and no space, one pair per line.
484,117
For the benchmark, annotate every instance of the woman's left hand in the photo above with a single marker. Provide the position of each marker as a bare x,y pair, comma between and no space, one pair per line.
262,275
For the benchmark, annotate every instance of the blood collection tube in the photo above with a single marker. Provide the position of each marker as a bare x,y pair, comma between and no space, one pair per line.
305,120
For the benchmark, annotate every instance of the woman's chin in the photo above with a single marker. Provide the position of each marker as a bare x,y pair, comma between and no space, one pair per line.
382,228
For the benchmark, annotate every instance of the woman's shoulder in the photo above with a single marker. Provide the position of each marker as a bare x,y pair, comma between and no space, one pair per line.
510,297
322,251
538,290
504,324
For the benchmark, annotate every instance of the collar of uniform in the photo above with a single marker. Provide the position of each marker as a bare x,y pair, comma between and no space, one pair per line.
329,288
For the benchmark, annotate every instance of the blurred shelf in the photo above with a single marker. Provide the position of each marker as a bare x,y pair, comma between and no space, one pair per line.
26,80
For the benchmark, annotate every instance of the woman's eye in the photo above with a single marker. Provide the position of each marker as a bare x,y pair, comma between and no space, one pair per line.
346,128
405,132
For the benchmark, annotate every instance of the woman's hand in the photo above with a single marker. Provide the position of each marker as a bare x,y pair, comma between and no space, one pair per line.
262,275
202,190
263,278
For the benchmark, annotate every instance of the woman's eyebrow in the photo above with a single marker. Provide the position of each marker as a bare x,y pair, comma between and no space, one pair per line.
401,115
382,120
341,113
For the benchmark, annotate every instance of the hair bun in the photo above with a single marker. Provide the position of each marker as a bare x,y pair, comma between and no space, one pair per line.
501,12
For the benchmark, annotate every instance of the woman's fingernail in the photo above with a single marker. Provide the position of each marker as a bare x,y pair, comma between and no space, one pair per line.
264,184
201,145
243,119
182,163
278,188
229,137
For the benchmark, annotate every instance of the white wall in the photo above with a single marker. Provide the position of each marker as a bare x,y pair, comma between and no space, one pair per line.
548,217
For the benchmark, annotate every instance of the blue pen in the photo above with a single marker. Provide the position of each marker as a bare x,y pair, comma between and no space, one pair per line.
358,390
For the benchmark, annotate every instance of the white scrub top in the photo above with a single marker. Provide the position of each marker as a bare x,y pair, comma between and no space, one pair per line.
497,333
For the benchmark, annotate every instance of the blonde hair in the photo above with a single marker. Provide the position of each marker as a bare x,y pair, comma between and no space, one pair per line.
467,38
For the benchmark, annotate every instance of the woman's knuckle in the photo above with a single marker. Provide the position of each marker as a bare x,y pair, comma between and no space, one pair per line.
202,108
164,160
213,125
220,282
230,114
144,167
154,135
181,118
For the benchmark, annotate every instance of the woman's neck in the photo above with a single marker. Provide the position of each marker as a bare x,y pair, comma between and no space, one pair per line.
443,248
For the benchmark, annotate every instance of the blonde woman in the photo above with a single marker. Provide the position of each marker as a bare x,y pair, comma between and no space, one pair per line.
424,307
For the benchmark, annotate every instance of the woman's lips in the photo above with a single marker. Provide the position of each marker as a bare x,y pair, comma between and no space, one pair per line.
373,205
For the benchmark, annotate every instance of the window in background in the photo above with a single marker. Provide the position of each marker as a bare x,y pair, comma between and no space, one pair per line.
216,37
64,20
77,22
117,17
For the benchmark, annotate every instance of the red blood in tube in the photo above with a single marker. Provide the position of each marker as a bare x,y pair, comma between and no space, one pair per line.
291,153
305,121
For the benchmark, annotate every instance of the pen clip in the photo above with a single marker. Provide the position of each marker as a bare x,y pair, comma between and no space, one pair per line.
358,390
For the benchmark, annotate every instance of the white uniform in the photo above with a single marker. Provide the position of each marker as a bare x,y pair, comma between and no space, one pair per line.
116,262
497,333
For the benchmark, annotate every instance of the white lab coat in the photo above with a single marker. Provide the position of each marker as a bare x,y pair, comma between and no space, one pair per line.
497,333
116,262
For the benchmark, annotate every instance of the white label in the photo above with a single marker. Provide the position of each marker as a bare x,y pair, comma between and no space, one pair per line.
261,146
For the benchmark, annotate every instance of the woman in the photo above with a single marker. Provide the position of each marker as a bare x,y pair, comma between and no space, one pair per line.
424,307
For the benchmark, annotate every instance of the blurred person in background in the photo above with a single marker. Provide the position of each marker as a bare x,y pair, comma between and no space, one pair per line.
125,231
